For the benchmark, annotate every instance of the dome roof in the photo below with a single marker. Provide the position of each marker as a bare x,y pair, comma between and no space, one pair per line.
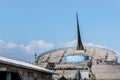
67,61
57,56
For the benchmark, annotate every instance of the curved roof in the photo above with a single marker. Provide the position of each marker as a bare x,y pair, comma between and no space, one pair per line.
57,55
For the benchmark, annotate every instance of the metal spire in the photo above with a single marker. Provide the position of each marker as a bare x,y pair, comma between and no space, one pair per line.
79,42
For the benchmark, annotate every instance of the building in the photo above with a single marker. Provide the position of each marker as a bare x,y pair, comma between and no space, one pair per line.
15,70
91,63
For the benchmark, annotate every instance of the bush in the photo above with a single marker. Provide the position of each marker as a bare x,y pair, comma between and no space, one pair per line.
74,79
62,78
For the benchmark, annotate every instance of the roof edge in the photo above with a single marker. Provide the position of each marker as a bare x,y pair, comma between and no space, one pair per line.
16,63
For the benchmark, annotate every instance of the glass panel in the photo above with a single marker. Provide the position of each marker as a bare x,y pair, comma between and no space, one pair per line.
75,58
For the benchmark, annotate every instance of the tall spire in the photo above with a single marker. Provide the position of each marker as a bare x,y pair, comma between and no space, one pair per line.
79,42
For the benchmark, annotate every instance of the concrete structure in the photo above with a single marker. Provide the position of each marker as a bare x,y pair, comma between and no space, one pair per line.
54,60
93,63
16,70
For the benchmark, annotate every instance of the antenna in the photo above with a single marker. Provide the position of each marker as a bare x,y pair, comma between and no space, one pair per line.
35,57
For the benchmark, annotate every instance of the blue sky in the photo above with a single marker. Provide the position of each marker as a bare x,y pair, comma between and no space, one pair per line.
41,24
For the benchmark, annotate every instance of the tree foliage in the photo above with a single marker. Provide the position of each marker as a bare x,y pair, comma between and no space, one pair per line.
62,78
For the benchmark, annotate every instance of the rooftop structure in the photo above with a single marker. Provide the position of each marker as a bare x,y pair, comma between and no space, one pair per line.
79,41
89,62
16,70
24,65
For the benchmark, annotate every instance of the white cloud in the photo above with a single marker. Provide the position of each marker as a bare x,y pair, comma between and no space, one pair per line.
73,43
23,52
39,46
26,52
90,44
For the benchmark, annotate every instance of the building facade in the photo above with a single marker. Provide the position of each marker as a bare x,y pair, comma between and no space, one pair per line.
91,63
16,70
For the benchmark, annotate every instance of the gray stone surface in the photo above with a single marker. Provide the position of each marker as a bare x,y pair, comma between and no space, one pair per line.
100,58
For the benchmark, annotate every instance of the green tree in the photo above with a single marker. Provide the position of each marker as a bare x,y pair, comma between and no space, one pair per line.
74,79
62,78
